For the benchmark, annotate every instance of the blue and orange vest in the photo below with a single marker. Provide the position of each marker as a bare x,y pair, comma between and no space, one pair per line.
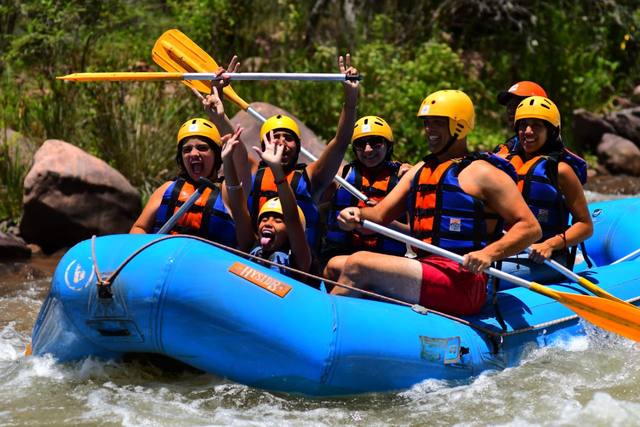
207,218
338,241
538,183
442,214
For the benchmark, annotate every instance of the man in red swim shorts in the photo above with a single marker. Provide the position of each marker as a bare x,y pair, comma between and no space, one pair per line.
456,200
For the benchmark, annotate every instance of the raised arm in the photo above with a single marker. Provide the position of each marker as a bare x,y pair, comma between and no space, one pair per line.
214,107
272,156
322,171
233,193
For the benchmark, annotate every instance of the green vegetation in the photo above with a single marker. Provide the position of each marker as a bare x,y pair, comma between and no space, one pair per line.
583,52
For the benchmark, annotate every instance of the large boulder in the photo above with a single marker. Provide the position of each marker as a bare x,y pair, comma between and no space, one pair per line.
251,134
588,129
626,123
70,195
619,155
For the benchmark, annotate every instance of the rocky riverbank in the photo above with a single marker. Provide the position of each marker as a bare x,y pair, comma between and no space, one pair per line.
614,184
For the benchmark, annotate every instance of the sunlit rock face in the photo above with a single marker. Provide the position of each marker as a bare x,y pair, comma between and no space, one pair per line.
70,195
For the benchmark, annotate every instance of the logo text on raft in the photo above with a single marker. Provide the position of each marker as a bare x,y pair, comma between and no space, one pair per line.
76,277
265,281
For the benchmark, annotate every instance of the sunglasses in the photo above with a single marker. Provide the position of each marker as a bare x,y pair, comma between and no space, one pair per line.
374,142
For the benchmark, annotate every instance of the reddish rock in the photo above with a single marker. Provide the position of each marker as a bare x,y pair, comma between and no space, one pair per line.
251,134
619,155
70,195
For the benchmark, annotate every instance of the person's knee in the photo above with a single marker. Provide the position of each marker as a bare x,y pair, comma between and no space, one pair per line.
355,266
333,269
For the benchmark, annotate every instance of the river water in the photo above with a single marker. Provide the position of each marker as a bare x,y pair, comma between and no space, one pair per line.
592,380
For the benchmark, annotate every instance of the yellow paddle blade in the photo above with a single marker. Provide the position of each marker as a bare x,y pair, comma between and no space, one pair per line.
590,286
613,316
120,76
175,52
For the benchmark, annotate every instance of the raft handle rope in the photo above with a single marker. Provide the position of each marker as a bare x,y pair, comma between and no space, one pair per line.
104,286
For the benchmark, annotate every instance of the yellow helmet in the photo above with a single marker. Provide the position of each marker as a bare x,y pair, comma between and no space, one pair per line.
372,126
199,127
274,206
454,104
538,107
279,121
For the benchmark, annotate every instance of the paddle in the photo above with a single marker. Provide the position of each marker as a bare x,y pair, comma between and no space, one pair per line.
613,316
582,281
145,76
175,52
171,222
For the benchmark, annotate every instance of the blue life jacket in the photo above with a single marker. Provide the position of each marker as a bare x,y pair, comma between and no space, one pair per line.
207,218
278,257
338,241
442,214
263,188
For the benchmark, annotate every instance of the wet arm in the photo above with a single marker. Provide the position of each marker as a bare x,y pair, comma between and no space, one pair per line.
322,171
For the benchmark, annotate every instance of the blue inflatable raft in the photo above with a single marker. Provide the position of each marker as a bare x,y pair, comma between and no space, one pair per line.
194,302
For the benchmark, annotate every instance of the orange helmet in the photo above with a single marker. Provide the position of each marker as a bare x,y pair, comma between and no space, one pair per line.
521,90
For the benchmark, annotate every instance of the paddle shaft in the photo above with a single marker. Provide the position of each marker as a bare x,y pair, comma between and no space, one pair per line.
171,222
152,76
396,235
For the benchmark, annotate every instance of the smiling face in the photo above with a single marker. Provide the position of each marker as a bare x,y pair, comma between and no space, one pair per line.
272,232
437,132
289,141
371,150
532,134
198,158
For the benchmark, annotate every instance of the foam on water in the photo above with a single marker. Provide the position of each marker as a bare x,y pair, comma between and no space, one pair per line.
592,380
